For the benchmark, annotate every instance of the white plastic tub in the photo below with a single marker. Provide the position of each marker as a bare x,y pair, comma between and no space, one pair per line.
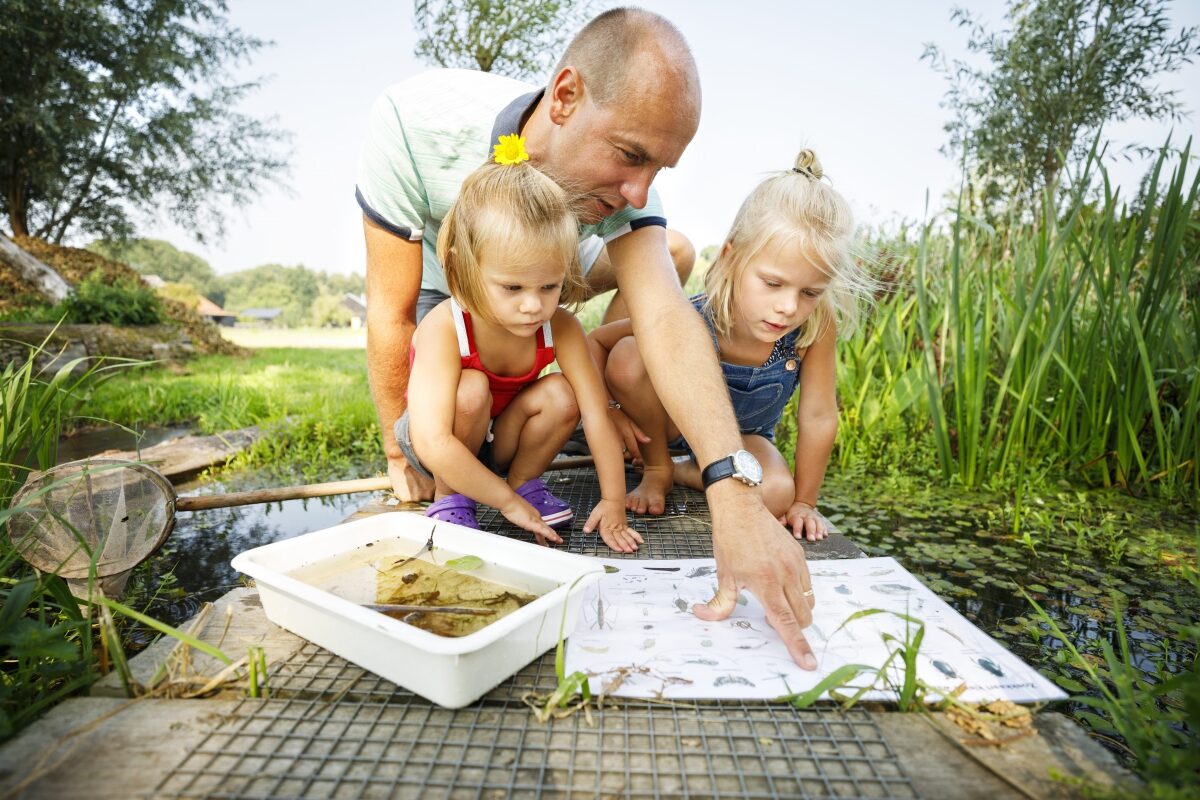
324,607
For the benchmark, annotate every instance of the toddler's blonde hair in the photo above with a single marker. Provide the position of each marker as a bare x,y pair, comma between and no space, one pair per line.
794,205
514,210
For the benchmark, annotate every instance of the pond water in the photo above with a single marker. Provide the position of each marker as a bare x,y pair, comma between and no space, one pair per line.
193,567
1079,574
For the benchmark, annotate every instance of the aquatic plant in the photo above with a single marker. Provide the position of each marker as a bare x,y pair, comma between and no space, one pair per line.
1153,721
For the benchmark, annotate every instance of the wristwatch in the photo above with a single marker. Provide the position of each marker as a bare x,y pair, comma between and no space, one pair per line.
740,464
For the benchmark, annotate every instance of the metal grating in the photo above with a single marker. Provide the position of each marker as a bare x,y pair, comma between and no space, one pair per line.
408,748
334,730
684,531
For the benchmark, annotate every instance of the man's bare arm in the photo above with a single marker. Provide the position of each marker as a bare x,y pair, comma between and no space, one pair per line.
751,548
393,284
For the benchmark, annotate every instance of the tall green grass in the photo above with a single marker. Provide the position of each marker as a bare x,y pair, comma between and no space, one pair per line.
47,639
1065,346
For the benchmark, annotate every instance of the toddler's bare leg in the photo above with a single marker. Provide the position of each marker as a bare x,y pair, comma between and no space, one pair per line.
534,427
472,413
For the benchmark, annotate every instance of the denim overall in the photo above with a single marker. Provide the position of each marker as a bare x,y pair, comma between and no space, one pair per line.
758,394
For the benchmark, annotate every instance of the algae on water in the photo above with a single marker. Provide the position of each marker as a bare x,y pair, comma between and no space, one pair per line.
418,582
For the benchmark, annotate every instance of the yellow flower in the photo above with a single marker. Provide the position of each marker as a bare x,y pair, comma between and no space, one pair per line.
510,150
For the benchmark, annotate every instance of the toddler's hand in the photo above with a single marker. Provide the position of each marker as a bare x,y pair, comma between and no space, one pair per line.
632,437
805,522
520,513
609,515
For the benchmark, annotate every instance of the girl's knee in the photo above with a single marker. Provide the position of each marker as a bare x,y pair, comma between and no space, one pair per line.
474,394
683,254
559,398
779,491
626,371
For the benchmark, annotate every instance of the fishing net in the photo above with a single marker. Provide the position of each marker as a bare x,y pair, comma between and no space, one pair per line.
92,521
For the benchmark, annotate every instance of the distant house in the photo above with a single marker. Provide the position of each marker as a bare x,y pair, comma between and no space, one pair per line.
214,313
261,316
357,306
153,281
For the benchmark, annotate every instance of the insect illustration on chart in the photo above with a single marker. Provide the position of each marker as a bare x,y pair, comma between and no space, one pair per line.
701,572
944,668
891,588
599,614
731,680
990,666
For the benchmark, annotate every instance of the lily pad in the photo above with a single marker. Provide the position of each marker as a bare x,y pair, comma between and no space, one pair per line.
465,563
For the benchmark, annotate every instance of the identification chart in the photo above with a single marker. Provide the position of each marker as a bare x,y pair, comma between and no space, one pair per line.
637,637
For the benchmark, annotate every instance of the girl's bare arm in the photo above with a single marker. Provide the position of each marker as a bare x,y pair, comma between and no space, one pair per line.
816,417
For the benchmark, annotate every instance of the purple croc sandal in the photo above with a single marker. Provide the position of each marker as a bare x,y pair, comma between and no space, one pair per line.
457,509
554,511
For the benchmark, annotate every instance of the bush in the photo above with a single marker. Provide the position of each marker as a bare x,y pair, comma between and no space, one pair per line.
119,302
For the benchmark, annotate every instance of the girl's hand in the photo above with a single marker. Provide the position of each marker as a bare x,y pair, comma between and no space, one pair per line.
631,435
805,522
520,513
609,515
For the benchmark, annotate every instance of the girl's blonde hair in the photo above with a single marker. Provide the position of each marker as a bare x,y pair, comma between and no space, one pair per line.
513,210
794,205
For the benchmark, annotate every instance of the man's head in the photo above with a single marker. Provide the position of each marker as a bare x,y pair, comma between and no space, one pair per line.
623,102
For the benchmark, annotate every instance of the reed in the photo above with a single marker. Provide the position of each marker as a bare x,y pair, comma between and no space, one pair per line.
1063,346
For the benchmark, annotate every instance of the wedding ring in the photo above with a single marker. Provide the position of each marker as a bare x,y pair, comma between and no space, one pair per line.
808,593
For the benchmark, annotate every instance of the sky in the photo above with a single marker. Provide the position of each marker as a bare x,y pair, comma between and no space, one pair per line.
844,79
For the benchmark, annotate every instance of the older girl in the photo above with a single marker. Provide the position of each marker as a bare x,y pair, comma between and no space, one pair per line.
781,289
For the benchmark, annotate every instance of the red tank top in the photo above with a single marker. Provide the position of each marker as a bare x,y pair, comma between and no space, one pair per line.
504,387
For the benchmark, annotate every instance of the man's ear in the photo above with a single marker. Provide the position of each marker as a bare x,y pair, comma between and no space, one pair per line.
566,94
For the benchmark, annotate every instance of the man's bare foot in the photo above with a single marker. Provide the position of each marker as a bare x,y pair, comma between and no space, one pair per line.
650,497
687,473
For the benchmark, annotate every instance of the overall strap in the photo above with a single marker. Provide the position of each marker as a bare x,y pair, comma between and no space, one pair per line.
462,329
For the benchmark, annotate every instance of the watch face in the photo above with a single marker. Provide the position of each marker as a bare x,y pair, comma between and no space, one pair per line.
745,464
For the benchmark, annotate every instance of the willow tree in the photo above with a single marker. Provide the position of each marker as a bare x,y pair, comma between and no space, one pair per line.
518,38
1053,78
114,108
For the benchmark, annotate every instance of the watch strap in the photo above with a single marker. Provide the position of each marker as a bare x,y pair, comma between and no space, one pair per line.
718,470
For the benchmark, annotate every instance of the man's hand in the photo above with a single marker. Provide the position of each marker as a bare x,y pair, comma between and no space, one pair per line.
409,485
755,552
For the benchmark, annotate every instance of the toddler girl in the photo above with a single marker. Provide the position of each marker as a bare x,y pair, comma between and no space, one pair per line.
475,401
782,286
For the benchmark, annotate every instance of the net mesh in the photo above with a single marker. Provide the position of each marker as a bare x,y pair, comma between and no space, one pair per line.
115,513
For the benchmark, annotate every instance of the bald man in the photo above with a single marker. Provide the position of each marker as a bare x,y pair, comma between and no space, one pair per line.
623,103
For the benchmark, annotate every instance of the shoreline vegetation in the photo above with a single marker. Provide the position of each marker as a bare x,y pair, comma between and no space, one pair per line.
1042,375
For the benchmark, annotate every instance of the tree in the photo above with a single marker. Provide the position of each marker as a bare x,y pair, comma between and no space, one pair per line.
156,257
293,289
517,38
110,108
1062,70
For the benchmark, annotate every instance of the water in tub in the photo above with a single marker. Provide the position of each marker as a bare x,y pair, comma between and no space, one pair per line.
382,575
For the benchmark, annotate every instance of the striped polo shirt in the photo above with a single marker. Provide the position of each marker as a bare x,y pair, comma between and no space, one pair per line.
426,134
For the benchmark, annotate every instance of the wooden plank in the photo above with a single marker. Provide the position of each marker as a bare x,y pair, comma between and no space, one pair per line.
184,457
100,748
236,623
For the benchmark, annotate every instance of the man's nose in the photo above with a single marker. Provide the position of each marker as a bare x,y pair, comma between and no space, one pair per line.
636,189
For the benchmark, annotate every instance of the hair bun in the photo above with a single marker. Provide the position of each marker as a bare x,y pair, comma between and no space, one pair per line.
808,165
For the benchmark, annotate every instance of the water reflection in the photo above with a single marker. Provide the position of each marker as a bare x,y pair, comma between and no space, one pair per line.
193,567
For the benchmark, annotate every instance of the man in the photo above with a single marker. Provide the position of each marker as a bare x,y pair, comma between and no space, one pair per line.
623,103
